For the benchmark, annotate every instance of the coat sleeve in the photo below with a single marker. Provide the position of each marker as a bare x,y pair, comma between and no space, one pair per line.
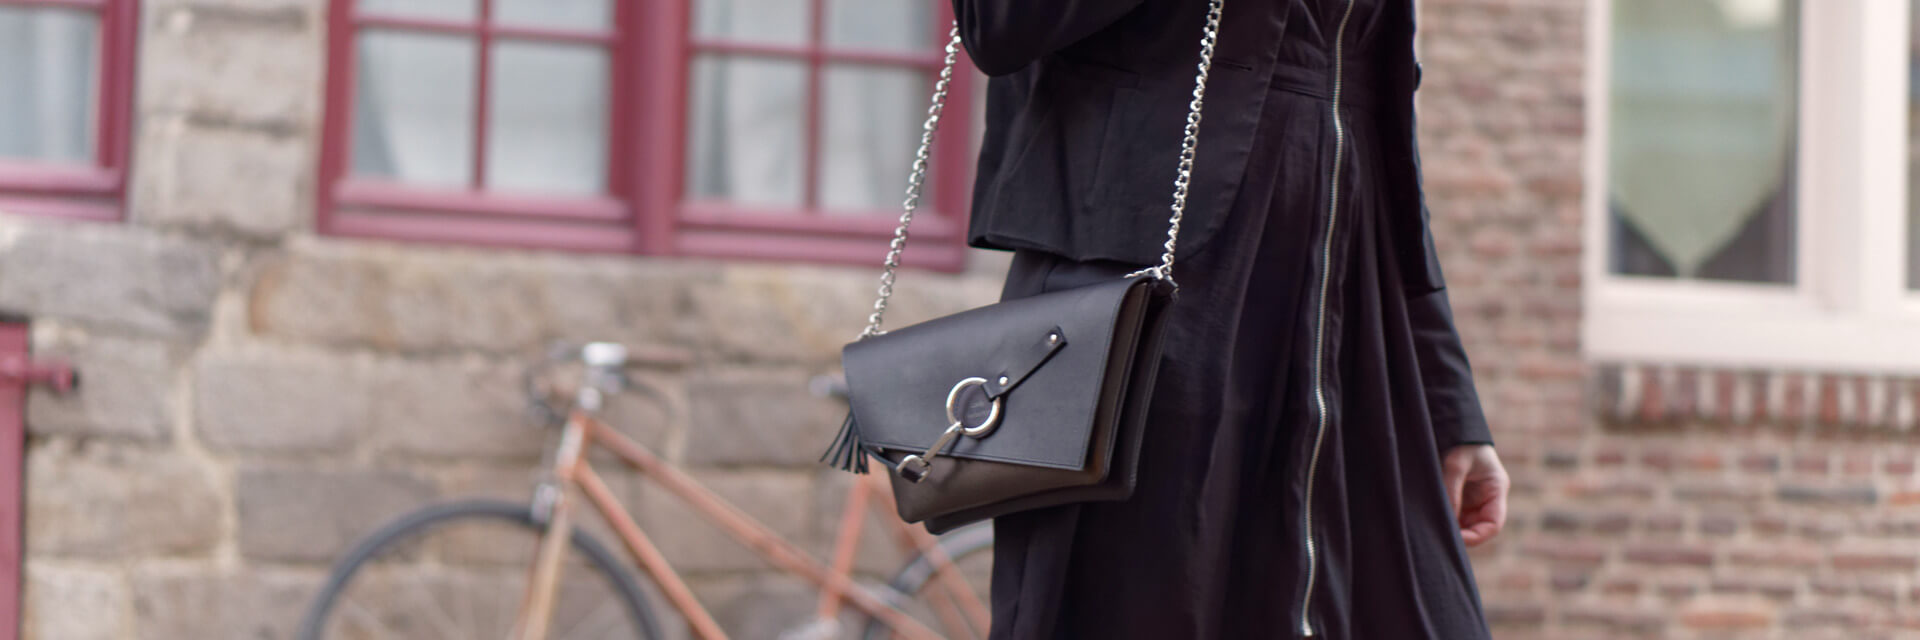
1003,36
1451,398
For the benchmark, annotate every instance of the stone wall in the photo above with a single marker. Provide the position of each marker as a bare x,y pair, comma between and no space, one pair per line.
255,397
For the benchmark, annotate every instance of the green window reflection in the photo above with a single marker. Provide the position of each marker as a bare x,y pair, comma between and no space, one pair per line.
1701,139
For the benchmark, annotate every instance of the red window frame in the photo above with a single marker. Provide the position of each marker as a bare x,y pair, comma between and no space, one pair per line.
644,211
13,438
85,191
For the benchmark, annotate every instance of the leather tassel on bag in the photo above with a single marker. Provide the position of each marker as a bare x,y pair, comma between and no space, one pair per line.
847,453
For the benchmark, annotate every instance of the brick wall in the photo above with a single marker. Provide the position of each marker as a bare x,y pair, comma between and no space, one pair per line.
255,397
1651,500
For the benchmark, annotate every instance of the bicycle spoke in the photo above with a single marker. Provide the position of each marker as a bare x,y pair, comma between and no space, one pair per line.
604,613
368,619
438,618
475,591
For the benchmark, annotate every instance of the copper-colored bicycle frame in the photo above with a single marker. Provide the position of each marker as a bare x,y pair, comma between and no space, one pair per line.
959,608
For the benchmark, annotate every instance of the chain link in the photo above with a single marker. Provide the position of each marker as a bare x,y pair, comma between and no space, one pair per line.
1209,36
914,182
1191,141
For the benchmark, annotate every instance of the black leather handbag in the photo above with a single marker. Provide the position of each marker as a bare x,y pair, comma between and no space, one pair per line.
1023,404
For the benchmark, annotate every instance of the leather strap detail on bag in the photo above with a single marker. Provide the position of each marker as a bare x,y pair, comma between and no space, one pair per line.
1021,362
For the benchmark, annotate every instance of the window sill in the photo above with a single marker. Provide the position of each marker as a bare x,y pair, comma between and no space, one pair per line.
1658,393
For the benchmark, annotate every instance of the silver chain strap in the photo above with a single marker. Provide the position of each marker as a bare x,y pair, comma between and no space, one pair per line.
918,177
914,182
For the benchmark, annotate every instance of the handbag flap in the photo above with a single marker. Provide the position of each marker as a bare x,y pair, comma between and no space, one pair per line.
899,381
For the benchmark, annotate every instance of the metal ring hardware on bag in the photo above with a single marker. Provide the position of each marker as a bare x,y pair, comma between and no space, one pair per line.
915,467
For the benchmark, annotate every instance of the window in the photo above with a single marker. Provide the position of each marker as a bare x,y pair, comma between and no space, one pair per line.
65,76
1749,199
736,128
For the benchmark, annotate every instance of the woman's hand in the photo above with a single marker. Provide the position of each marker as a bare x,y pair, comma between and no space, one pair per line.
1478,485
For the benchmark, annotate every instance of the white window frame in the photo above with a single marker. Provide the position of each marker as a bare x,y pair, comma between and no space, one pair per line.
1849,309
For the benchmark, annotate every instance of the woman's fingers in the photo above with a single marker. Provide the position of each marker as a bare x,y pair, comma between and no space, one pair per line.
1486,513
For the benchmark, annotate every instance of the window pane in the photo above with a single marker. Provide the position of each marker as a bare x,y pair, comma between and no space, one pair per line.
872,125
413,108
1701,137
762,21
575,14
880,24
49,73
746,142
442,9
547,123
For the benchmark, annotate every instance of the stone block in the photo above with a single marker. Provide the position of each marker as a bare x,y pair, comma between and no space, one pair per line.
213,605
780,316
636,302
108,276
429,601
203,176
126,388
652,412
280,404
806,315
761,606
758,418
453,409
72,603
255,64
102,502
310,516
410,300
504,546
781,500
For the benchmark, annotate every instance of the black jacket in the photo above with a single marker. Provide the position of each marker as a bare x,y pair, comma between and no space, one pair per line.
1085,106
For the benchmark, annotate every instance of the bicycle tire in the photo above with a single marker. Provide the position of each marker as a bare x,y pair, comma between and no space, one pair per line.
417,523
912,577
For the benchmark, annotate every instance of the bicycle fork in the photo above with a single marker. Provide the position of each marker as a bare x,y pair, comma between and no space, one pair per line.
536,606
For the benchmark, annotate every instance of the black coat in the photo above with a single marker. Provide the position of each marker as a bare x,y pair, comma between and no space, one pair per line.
1290,473
1084,105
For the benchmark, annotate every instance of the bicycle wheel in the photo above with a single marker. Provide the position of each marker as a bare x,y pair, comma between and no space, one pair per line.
971,550
459,570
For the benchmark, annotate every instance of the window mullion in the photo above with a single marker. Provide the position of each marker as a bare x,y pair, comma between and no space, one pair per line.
1832,198
484,51
816,63
1882,114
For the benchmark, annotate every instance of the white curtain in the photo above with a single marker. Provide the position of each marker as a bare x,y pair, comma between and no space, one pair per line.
1702,123
747,128
48,74
547,110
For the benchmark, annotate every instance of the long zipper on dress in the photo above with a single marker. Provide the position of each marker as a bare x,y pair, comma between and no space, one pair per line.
1320,325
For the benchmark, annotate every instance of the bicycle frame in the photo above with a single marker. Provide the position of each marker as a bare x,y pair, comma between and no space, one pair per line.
572,470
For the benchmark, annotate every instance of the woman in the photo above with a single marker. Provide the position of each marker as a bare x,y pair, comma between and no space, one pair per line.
1316,458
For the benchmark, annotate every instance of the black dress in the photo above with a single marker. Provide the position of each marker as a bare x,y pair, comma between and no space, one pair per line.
1293,373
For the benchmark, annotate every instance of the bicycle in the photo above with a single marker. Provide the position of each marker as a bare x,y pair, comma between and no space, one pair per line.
391,583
